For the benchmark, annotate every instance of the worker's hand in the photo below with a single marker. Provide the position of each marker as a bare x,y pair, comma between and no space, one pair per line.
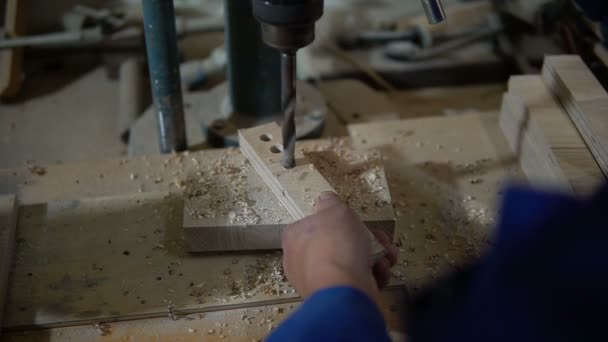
332,248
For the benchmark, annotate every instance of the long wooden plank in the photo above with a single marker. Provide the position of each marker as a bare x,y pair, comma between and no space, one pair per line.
8,223
297,188
551,150
585,100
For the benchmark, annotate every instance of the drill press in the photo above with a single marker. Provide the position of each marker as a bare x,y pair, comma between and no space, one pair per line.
289,25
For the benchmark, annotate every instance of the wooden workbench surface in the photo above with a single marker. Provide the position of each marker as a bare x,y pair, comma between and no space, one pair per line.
444,174
126,214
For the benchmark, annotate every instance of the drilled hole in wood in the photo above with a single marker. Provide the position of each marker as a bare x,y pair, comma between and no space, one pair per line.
276,148
266,137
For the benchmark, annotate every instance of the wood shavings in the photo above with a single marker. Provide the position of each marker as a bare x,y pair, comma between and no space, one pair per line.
265,276
171,311
102,328
210,199
36,169
354,175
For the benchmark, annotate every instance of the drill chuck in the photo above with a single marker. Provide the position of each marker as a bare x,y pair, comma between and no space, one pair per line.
288,25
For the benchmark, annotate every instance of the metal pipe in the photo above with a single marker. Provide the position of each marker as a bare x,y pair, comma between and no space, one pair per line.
434,11
163,61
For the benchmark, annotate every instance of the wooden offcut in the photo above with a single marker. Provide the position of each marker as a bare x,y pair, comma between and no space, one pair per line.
584,99
233,208
8,222
298,188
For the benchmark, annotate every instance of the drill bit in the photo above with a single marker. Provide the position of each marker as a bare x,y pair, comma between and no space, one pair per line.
288,98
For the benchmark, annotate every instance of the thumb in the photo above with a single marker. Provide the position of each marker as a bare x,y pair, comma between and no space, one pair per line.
327,200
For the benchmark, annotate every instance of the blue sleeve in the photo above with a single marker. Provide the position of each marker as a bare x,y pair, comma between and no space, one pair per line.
545,279
597,10
334,314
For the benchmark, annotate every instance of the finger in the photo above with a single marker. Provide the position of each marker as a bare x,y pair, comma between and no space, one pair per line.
287,234
382,272
327,200
391,251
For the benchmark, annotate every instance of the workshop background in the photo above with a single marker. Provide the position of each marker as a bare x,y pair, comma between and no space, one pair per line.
424,123
56,81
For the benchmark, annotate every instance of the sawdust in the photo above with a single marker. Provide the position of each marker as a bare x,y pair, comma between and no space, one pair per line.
210,200
103,329
35,169
357,176
221,189
440,228
265,276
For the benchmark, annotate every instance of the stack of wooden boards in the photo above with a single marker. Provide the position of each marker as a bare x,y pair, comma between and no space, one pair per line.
543,132
585,100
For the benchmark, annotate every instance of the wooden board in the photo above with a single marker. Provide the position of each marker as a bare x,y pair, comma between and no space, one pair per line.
297,189
584,99
213,222
551,150
8,224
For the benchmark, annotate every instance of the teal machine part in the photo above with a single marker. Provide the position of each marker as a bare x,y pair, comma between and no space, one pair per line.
254,69
163,62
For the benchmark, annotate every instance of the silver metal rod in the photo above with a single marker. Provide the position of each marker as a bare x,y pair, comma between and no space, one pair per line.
434,11
288,98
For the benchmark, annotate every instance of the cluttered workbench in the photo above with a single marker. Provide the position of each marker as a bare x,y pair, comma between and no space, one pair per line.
184,245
